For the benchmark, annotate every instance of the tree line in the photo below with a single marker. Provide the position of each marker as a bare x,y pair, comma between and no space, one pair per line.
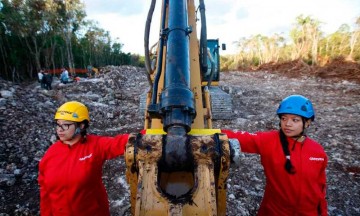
49,34
305,42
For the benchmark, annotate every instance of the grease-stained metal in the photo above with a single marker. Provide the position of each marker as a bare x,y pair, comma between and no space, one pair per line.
204,181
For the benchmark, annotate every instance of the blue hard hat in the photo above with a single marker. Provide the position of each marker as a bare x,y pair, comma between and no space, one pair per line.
297,105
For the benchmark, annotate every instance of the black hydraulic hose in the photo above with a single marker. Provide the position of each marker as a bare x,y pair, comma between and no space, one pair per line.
146,42
160,56
203,38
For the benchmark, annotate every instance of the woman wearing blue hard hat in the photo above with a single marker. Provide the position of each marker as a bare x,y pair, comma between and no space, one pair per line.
294,164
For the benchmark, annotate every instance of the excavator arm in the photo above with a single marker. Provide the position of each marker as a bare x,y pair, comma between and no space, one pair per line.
179,164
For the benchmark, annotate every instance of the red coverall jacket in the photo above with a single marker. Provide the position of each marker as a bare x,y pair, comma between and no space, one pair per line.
302,193
70,176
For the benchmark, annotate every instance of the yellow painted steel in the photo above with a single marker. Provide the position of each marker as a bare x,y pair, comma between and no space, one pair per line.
208,115
213,83
195,73
207,192
131,170
192,132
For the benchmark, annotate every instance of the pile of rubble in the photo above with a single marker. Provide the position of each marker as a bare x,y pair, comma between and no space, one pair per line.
26,122
337,69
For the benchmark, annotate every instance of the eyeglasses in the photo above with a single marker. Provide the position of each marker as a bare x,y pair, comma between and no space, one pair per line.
64,127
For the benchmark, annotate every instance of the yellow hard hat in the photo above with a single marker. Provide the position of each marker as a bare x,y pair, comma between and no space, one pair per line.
72,111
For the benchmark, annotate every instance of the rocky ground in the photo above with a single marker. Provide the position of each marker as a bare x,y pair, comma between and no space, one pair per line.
27,130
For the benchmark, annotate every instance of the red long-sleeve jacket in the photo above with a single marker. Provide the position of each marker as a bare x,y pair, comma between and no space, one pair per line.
302,193
70,176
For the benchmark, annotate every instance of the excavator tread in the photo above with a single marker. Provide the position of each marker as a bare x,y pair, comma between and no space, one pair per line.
221,103
142,105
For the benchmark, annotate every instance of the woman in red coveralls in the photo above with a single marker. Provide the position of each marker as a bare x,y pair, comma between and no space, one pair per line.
294,164
70,171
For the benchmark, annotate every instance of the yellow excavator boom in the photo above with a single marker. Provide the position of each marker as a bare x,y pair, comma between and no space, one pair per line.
179,164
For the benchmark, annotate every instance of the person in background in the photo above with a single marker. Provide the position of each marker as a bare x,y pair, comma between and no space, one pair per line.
40,77
70,172
89,71
47,79
294,164
64,77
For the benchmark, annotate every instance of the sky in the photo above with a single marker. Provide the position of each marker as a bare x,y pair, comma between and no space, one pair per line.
227,20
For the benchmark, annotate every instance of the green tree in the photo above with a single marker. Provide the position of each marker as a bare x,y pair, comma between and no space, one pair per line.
306,35
71,15
354,36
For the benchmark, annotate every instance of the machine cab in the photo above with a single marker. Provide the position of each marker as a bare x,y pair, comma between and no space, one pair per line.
213,70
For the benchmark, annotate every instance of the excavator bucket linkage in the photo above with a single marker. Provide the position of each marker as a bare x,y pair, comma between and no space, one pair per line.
160,190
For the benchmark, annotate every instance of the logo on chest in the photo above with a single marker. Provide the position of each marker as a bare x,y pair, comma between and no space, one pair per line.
316,159
85,157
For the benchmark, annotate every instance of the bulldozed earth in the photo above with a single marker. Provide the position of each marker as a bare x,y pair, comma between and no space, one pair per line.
27,129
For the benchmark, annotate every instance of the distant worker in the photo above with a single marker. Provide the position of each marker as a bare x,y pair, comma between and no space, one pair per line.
294,164
40,77
70,172
89,71
64,77
47,79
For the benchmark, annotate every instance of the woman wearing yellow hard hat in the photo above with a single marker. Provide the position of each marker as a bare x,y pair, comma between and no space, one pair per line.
70,172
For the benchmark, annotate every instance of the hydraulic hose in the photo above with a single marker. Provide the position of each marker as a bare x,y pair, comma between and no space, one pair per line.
146,42
160,55
203,38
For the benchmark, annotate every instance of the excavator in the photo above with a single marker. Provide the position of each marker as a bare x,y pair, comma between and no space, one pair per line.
179,164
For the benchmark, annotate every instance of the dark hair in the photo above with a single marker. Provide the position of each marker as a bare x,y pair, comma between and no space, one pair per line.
83,130
285,146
